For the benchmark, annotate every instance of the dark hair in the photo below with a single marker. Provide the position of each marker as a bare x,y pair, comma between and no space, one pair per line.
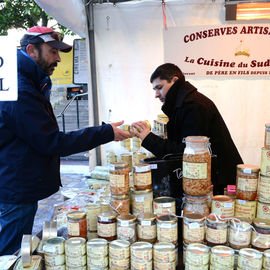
38,47
166,72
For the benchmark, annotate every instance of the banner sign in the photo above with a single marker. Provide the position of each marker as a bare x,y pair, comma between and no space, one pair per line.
224,50
8,69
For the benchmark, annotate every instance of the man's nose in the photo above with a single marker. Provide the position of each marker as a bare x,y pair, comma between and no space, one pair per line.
58,58
157,94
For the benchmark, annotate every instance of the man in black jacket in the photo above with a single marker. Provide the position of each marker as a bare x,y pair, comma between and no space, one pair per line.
190,113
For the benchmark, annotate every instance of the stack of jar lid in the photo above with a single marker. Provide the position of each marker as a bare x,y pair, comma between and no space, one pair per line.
119,255
141,255
165,256
75,253
97,254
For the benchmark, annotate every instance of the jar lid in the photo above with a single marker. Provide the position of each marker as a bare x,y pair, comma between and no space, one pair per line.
97,242
196,199
241,223
75,241
146,216
213,218
222,198
198,248
76,215
164,246
55,241
120,197
141,245
119,244
117,165
197,139
248,168
194,217
141,192
167,219
126,217
250,253
107,215
222,251
263,223
142,168
164,200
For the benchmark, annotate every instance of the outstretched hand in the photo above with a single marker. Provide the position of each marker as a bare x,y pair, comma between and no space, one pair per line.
140,129
119,135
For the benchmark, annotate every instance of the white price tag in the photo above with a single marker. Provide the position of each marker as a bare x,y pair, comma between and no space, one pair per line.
153,166
165,226
104,219
146,223
49,249
194,226
247,171
124,223
139,199
227,205
167,204
241,201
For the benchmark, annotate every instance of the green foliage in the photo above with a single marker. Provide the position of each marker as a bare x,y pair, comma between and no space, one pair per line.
23,14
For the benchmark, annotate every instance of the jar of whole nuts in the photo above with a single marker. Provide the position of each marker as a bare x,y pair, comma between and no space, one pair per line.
77,224
167,229
121,203
142,176
267,136
141,201
197,166
247,181
196,205
261,235
126,228
119,178
147,227
164,206
107,225
193,228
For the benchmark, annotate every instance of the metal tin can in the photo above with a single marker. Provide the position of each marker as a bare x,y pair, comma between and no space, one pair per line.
164,206
97,247
223,206
245,209
54,246
116,264
98,261
77,224
167,229
107,225
75,246
119,178
249,258
119,249
141,251
145,265
264,189
164,266
92,211
164,252
261,236
147,227
265,162
141,201
126,228
222,256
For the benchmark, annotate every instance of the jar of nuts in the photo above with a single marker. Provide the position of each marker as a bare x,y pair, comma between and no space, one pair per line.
119,178
197,166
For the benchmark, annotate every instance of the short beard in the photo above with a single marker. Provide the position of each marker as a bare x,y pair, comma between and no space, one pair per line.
44,65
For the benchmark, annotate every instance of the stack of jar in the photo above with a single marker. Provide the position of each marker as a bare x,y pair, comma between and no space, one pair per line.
119,255
141,256
246,190
165,256
54,253
97,254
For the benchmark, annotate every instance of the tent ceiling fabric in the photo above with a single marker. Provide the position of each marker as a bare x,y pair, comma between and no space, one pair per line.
69,13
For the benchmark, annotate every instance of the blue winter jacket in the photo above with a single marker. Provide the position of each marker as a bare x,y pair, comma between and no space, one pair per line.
30,140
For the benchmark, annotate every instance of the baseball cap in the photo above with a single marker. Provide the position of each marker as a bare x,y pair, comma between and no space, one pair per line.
41,34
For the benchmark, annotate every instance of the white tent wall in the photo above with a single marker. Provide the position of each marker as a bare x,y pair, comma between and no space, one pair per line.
129,46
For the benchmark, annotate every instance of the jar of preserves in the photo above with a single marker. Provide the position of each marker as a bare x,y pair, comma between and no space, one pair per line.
222,256
246,209
97,247
137,157
223,206
216,231
75,247
92,211
196,205
107,225
193,228
147,227
121,203
142,176
267,136
126,228
119,250
197,254
164,206
249,258
266,259
264,189
167,229
164,252
141,251
77,224
261,235
265,162
240,233
263,210
119,178
246,181
141,201
197,166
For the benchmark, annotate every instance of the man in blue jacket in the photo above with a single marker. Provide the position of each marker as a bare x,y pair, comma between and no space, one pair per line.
30,141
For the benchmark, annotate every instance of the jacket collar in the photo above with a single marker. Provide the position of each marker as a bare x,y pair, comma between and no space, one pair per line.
176,95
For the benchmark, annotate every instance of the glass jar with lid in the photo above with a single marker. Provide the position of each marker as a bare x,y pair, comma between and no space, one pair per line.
119,250
197,254
240,233
126,228
193,228
197,166
264,189
121,203
119,178
216,230
267,136
127,158
107,225
222,256
141,251
246,181
141,201
196,205
167,229
164,252
142,176
97,247
249,258
261,235
77,224
92,210
223,205
164,206
147,227
266,259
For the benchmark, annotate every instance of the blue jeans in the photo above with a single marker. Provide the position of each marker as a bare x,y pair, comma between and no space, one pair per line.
15,221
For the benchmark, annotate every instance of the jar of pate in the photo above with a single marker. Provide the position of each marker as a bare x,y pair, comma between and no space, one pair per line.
119,178
77,224
97,247
197,254
121,203
264,189
141,251
119,250
147,227
197,166
141,201
164,206
196,205
167,229
142,176
261,235
126,227
107,225
75,246
223,206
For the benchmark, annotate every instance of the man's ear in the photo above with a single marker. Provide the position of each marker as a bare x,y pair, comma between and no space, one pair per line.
174,79
32,51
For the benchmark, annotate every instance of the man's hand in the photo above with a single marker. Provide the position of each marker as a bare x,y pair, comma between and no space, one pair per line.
119,135
140,129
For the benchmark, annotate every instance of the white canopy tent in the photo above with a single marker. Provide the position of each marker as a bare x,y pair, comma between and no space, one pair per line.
129,46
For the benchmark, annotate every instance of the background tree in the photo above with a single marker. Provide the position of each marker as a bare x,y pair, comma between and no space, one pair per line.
23,14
